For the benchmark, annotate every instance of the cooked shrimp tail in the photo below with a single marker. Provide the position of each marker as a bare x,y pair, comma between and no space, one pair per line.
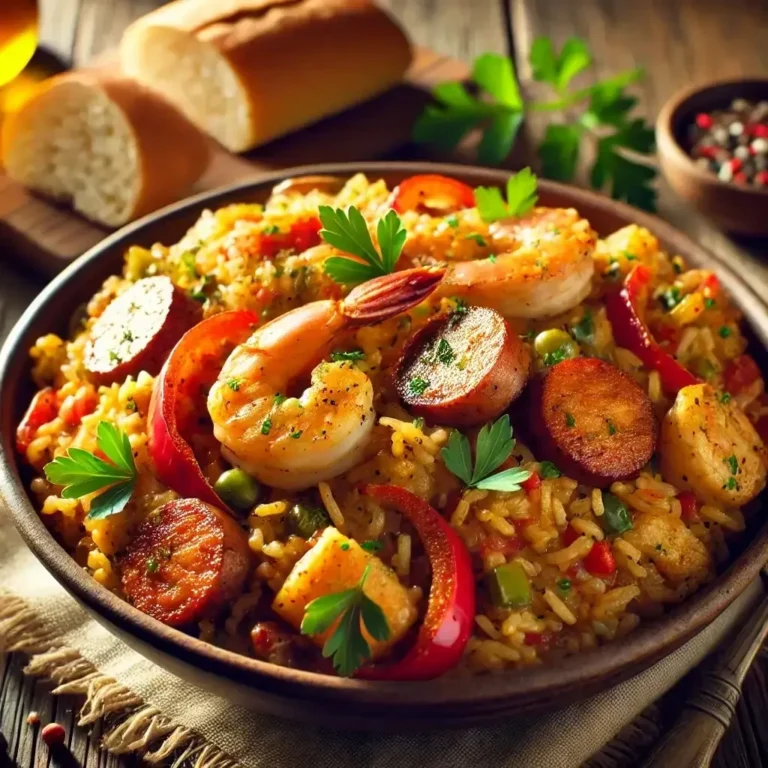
387,296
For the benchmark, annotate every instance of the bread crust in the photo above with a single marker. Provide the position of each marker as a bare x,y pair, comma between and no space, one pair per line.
297,60
172,152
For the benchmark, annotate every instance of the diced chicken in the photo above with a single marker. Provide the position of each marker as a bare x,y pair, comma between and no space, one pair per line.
337,563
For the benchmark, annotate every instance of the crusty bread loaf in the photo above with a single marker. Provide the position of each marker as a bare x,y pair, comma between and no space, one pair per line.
247,71
108,145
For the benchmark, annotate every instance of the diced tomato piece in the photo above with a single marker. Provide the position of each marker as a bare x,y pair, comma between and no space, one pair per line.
710,286
43,408
600,560
533,483
506,545
690,507
302,235
741,373
542,640
83,402
570,534
432,193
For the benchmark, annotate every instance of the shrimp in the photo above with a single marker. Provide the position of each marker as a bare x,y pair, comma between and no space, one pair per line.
546,266
293,443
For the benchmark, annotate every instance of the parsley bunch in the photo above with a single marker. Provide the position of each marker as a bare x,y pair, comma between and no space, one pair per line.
494,446
496,106
82,473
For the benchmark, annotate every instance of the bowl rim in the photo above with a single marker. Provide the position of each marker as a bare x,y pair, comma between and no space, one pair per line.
648,643
667,141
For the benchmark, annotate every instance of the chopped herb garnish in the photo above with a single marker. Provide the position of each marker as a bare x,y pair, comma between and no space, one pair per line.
417,386
521,197
442,352
152,565
280,398
724,331
127,336
630,256
710,303
724,397
83,473
494,446
611,427
266,425
492,258
731,485
234,384
348,231
584,330
344,546
452,220
353,610
272,229
479,239
341,355
372,546
733,464
553,358
671,297
461,307
547,470
113,356
296,435
131,406
189,262
570,420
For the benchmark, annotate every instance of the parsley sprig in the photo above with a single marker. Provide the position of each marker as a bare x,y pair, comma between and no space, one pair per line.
495,105
82,473
494,446
348,231
347,647
521,197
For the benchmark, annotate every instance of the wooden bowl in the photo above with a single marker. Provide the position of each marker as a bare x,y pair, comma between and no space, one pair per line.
737,208
319,698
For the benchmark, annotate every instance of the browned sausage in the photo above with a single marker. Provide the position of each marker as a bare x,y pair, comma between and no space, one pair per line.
463,369
592,420
138,329
187,561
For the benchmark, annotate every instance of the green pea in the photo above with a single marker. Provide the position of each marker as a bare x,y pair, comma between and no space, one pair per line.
553,346
238,489
305,520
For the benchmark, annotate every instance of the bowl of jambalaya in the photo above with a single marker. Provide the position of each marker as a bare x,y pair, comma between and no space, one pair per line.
427,444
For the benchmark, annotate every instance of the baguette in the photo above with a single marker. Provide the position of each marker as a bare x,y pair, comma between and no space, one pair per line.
107,144
247,71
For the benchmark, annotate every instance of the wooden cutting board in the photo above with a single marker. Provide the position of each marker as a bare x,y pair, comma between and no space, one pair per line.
47,236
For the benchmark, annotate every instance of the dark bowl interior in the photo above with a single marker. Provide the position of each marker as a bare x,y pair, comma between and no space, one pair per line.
738,208
298,694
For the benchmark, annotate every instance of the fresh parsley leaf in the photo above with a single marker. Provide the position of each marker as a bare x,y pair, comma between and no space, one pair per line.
417,385
349,354
348,231
479,239
353,609
234,384
442,352
452,221
266,426
280,398
570,420
553,358
725,397
584,330
494,446
559,70
496,75
521,197
559,151
733,464
548,470
82,473
458,457
608,103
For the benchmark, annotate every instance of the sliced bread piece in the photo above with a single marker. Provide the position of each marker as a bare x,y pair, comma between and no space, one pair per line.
108,145
247,71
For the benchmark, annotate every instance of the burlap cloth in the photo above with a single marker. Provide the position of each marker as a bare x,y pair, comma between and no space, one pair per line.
37,615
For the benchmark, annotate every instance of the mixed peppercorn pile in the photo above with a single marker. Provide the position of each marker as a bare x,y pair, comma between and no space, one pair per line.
733,142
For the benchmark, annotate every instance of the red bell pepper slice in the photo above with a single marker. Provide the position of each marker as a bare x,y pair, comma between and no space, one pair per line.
302,235
178,398
600,560
630,331
43,408
432,193
689,507
447,625
533,483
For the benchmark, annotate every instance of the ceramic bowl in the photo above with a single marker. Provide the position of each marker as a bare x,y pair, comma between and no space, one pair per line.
306,695
742,209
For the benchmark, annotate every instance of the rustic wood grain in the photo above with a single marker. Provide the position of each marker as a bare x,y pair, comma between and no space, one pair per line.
678,42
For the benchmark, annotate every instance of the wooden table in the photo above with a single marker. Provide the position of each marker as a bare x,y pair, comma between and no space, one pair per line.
677,41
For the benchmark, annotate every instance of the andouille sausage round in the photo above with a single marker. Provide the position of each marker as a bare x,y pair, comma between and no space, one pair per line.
187,561
138,329
463,369
592,420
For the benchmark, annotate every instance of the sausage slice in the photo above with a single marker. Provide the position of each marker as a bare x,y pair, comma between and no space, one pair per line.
138,329
592,420
463,369
187,561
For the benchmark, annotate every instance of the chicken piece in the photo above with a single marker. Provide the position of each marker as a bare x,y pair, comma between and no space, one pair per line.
677,554
711,448
337,563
